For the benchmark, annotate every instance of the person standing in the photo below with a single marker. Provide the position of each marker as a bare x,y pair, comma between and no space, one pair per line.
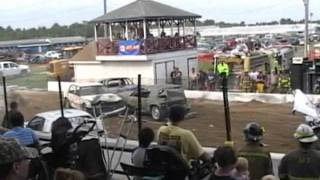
173,75
223,69
284,82
178,76
260,83
14,108
246,82
260,163
193,79
273,82
304,162
226,160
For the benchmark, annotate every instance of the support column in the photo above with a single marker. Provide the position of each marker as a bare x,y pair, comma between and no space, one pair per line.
159,27
194,27
126,31
95,33
144,29
110,31
184,28
178,27
171,27
105,30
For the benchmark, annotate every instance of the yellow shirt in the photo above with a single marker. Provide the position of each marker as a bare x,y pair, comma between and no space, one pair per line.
183,140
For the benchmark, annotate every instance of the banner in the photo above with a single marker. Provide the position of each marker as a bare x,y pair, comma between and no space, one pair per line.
129,47
303,105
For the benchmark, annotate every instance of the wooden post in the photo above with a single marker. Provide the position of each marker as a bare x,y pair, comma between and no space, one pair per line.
171,27
184,28
139,104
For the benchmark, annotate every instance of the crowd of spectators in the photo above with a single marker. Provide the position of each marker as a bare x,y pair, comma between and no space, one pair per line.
252,161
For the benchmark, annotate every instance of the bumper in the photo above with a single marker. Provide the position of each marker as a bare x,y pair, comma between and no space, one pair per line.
106,113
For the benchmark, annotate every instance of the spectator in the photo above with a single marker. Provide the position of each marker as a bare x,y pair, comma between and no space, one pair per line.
273,82
225,157
173,75
14,160
246,82
304,162
14,108
241,171
178,76
68,174
202,80
25,135
260,163
211,81
163,34
146,136
260,85
181,139
193,79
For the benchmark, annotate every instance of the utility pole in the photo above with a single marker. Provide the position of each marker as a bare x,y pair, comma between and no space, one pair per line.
306,22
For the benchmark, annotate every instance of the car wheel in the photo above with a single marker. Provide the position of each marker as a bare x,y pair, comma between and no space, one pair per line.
67,103
23,72
156,113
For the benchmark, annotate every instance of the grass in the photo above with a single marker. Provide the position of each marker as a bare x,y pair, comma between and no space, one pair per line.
36,79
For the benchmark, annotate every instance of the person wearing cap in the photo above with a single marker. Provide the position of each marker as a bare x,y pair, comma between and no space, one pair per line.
260,163
183,140
304,162
14,160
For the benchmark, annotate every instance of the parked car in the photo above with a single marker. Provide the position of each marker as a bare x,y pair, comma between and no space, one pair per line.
53,55
8,68
41,123
156,100
39,59
93,98
116,85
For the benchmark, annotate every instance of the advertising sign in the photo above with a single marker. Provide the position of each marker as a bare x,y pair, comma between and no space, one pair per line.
129,47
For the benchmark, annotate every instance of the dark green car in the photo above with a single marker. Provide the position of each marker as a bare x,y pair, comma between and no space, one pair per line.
156,100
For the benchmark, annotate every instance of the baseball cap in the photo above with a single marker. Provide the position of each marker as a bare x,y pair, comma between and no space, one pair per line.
305,134
12,151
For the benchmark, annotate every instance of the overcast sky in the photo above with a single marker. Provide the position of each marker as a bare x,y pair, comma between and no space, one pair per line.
34,13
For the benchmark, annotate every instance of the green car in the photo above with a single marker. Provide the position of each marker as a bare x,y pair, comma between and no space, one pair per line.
156,100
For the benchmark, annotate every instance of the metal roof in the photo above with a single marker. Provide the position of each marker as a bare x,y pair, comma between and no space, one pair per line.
42,41
145,9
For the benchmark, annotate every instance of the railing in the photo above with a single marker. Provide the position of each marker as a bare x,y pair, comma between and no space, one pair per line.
106,47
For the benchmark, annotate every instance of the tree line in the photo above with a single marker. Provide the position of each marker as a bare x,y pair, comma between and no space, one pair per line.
85,29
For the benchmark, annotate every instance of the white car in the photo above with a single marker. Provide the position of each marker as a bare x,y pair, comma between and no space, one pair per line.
93,98
53,55
8,68
41,123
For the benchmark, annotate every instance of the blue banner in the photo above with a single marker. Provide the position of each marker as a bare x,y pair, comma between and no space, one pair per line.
129,47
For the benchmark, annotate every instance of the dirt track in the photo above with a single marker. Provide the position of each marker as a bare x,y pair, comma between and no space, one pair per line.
208,125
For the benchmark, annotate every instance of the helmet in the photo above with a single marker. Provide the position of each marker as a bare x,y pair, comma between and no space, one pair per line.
253,132
305,134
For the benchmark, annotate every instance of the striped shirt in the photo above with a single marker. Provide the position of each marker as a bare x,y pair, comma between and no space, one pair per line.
25,135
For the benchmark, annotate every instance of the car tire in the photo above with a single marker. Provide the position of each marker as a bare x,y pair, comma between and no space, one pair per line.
67,103
156,113
24,72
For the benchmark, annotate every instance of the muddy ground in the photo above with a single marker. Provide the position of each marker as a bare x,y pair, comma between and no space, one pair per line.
208,125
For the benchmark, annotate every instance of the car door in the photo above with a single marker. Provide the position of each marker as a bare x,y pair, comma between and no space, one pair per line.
14,68
6,69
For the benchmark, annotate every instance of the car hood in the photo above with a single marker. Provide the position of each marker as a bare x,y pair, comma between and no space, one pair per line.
23,67
102,97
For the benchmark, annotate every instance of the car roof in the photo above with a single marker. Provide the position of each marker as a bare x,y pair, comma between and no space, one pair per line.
68,113
6,62
86,84
114,78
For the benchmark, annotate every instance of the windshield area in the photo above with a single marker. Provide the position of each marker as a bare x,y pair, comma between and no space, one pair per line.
92,90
